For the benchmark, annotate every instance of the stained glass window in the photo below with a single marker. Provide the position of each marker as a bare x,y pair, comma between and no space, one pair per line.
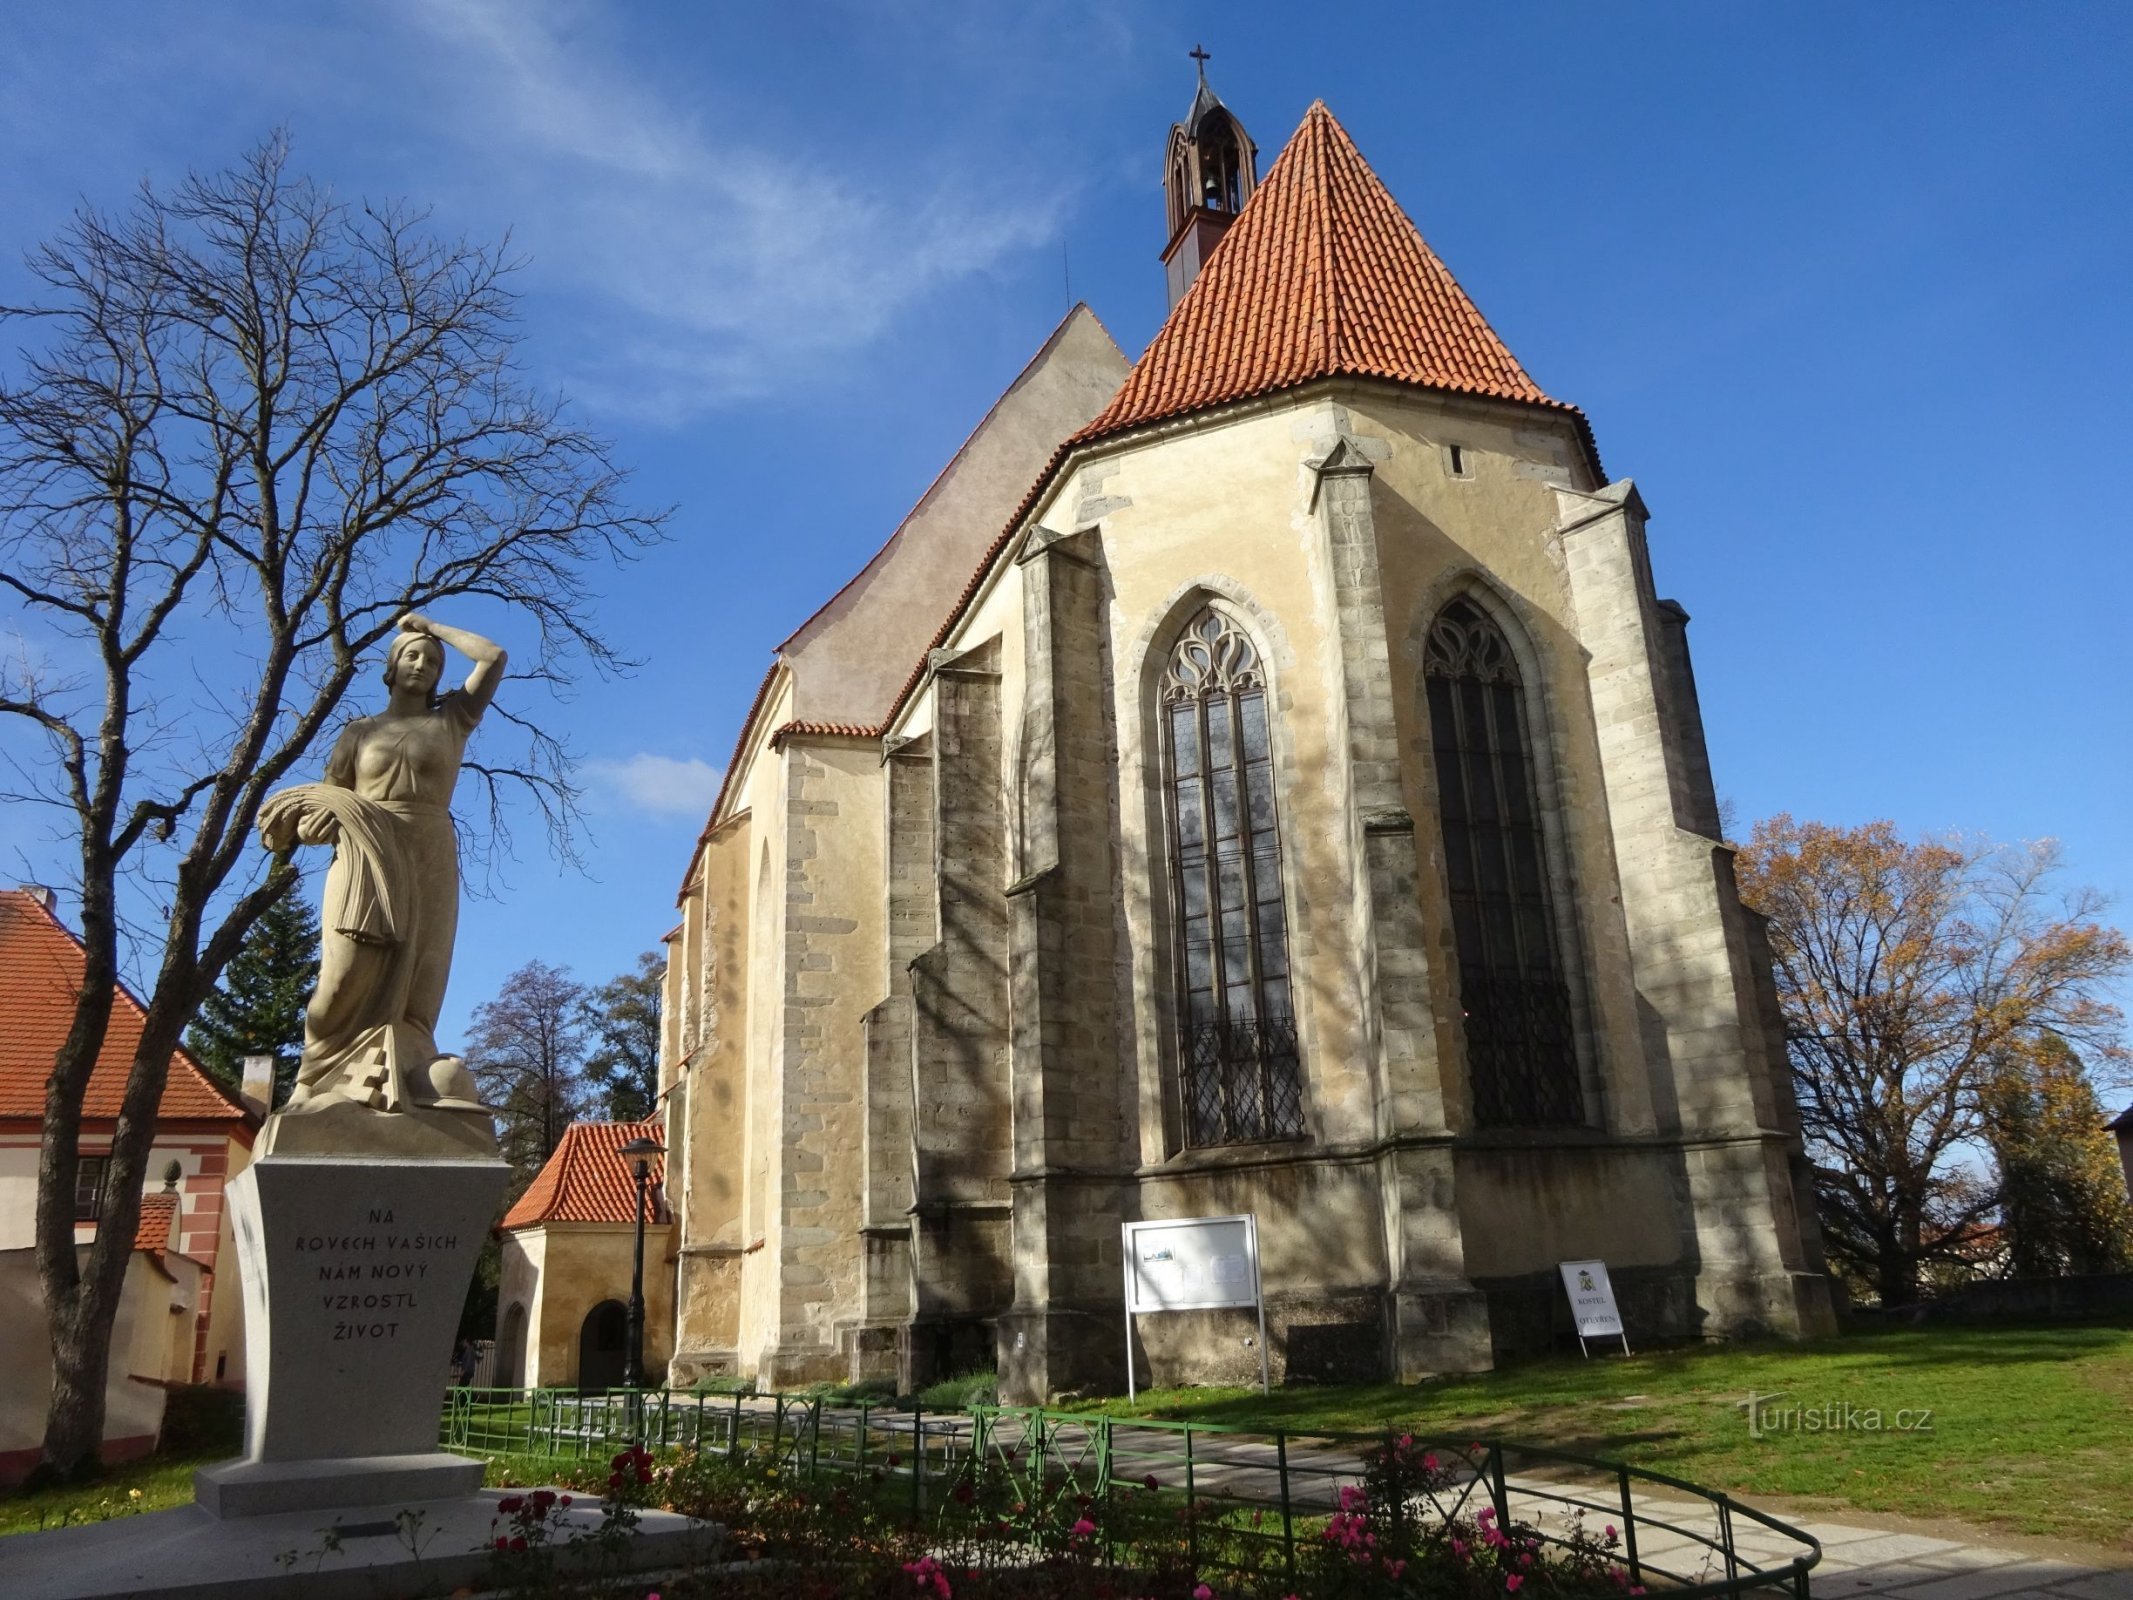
1241,1076
1521,1047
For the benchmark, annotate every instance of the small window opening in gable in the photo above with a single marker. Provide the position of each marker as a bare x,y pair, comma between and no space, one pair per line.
1458,461
91,1184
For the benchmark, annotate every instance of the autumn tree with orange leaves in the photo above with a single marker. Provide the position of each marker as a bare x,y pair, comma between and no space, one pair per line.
1915,976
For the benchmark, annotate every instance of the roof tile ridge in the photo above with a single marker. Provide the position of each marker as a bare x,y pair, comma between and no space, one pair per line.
1316,122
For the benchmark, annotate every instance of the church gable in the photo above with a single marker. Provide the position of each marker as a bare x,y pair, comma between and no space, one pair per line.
850,658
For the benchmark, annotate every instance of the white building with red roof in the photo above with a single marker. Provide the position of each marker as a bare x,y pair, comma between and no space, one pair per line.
1262,777
569,1251
204,1136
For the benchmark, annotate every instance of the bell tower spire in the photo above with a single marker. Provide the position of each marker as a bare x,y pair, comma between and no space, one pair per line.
1210,168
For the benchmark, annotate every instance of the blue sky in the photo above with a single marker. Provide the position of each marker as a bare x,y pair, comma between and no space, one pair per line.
1844,288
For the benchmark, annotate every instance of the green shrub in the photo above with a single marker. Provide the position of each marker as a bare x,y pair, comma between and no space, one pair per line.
962,1392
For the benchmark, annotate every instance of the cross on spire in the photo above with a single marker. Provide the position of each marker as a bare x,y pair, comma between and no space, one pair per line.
1203,57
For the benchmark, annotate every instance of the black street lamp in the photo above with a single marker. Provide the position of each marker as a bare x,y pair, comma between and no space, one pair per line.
642,1149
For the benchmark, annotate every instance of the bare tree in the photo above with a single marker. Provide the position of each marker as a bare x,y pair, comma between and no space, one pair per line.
1911,974
527,1051
252,426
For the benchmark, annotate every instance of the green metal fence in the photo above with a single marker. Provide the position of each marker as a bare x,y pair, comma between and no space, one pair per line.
1262,1494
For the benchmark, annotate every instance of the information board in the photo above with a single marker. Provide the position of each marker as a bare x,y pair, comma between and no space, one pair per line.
1192,1264
1592,1302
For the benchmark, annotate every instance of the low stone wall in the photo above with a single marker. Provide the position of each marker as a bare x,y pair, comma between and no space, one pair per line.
2099,1294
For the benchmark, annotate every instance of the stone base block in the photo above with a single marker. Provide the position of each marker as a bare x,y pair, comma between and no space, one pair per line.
437,1547
694,1366
266,1488
794,1366
1059,1350
870,1351
1439,1328
1791,1305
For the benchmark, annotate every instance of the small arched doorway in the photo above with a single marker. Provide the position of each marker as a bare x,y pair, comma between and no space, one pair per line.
510,1371
603,1346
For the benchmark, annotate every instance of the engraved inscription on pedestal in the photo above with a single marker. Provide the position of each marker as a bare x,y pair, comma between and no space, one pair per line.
364,1269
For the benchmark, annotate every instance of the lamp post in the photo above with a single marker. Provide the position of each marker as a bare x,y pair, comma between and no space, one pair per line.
641,1149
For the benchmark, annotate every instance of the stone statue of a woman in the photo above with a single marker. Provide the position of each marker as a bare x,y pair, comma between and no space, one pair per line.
392,894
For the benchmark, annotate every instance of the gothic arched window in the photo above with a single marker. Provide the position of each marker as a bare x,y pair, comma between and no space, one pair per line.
1237,1045
1520,1046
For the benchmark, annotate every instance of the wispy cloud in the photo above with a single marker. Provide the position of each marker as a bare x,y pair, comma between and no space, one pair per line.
660,785
708,267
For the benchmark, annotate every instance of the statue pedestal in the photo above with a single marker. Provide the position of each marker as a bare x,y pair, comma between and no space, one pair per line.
355,1271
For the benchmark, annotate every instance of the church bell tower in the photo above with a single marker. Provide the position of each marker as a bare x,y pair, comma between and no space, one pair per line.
1210,168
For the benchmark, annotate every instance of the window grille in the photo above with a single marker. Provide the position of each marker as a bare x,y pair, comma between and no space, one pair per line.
1238,1057
1521,1045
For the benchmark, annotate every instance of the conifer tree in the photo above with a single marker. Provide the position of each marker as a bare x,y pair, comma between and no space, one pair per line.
2063,1201
622,1073
258,1008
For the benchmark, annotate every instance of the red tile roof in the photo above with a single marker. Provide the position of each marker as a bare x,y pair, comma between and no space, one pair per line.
41,967
1322,274
587,1179
158,1212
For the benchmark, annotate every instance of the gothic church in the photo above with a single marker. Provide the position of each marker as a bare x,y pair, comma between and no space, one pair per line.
1261,777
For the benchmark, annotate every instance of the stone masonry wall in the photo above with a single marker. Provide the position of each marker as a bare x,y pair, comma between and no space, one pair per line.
1071,1103
960,1126
821,1052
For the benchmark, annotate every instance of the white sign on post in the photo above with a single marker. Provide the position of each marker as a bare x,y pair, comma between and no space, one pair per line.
1192,1264
1592,1302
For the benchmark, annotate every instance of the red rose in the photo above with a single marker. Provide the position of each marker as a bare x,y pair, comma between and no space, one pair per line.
502,1543
509,1504
518,1541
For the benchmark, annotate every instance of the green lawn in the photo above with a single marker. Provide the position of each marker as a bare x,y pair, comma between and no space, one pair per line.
157,1482
2031,1428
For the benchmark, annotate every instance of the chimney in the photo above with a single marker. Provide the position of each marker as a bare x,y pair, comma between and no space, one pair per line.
41,894
258,1091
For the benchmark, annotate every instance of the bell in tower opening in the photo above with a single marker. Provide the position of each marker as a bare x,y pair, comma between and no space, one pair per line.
1209,171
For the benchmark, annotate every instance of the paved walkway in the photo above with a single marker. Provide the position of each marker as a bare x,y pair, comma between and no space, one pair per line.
1859,1560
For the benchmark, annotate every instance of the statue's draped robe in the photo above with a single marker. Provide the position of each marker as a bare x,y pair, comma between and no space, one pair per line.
391,903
